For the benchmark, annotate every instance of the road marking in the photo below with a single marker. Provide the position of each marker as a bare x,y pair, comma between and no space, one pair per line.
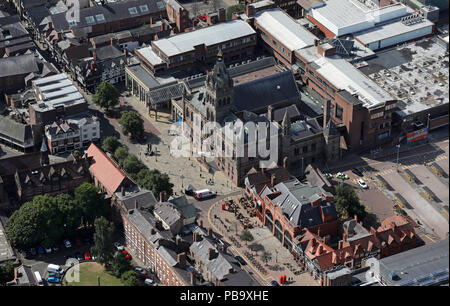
240,254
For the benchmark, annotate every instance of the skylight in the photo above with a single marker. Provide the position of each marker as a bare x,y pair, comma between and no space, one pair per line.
132,10
72,23
100,17
144,8
90,19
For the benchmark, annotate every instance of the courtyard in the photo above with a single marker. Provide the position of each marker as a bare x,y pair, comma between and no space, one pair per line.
89,272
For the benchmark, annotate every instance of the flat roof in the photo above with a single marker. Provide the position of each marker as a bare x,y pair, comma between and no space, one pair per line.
150,55
421,266
344,75
212,35
347,16
392,29
285,29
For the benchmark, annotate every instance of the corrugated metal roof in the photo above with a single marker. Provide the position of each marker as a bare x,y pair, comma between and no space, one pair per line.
284,29
208,36
344,75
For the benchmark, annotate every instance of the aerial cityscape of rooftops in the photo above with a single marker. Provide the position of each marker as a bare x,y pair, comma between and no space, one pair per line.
224,143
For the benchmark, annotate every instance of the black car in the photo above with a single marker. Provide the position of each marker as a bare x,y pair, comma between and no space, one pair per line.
357,172
79,256
241,260
274,283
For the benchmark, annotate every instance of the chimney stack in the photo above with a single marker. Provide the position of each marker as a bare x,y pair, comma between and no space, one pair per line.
316,42
122,191
209,232
355,217
192,278
94,55
210,253
158,225
272,180
135,204
182,260
153,231
195,237
327,239
340,245
285,162
344,237
162,196
224,248
270,112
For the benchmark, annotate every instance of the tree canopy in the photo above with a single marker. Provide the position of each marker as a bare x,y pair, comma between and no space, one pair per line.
110,144
246,236
46,220
103,241
91,202
130,278
120,264
131,123
6,273
106,96
155,181
234,9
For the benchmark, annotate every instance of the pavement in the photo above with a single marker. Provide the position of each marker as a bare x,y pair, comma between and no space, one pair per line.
226,225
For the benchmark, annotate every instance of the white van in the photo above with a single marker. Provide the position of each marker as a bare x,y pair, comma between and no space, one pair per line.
204,194
55,269
38,277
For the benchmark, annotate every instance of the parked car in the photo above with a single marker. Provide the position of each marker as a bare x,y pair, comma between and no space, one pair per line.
48,250
54,279
40,250
204,194
87,255
52,268
55,248
241,260
118,246
274,283
357,172
148,282
328,176
342,176
128,256
362,184
67,244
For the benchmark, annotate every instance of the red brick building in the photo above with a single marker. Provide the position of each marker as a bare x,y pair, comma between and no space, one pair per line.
320,253
290,207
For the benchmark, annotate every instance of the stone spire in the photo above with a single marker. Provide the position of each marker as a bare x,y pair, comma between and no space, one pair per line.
286,124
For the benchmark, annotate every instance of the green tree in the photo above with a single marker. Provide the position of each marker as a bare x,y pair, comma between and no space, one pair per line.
120,264
110,144
266,256
77,154
25,227
131,123
103,247
121,154
106,96
6,273
132,165
91,201
234,9
130,278
246,236
155,181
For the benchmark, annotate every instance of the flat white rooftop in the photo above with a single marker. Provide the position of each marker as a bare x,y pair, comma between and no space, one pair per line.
348,16
150,55
344,75
393,29
285,29
212,35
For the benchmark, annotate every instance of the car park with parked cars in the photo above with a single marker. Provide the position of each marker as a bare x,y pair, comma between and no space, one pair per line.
363,184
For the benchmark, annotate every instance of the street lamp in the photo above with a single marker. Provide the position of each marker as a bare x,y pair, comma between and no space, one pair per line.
428,123
398,153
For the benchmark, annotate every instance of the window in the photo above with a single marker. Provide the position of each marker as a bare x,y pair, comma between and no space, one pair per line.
305,149
144,8
313,147
377,115
100,17
89,19
72,23
132,10
339,112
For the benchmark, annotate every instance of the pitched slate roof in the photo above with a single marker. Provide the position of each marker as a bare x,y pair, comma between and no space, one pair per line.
111,12
105,170
258,94
17,65
19,132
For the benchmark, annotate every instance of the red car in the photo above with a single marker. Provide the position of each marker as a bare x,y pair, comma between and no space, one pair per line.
203,17
87,255
77,241
128,256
